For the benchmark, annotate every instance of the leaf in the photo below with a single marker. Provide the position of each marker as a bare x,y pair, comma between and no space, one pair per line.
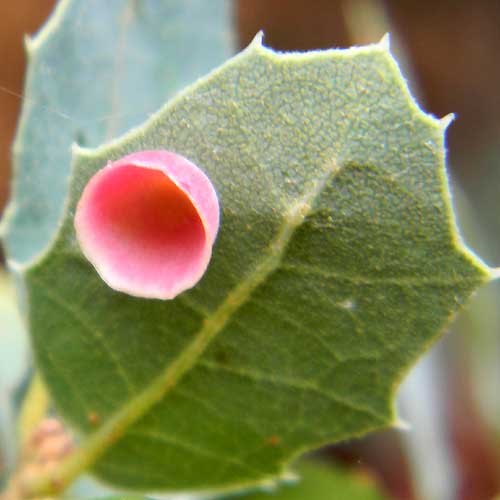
123,497
319,482
13,366
337,263
95,70
13,341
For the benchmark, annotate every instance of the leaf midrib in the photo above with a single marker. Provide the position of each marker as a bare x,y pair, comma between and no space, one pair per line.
115,427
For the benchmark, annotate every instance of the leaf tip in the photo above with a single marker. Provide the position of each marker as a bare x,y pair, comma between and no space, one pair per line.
447,120
14,266
76,149
256,43
401,425
385,42
271,484
28,45
495,273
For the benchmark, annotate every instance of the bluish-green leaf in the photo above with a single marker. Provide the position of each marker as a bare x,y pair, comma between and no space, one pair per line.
95,70
13,366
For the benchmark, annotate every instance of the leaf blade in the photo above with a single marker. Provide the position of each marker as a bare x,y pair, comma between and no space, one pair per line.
375,223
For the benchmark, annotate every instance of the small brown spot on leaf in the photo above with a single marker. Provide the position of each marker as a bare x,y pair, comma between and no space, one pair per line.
273,440
93,418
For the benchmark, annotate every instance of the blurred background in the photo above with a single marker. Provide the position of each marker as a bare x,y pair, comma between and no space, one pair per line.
450,52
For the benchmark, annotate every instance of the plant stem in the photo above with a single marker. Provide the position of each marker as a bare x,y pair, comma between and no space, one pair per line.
33,409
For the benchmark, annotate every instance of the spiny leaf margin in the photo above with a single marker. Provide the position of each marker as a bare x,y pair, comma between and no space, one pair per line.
139,137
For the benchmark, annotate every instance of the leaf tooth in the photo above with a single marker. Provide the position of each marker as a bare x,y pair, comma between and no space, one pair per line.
53,22
14,266
29,45
401,425
256,43
446,120
270,485
495,273
385,42
79,150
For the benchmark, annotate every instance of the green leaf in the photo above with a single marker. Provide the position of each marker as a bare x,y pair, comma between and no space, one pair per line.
314,481
337,263
122,497
95,70
319,482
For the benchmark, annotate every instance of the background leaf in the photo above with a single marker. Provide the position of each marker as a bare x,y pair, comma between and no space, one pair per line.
13,366
319,482
337,263
95,70
479,211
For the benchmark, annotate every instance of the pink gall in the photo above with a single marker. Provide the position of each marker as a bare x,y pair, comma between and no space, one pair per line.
147,223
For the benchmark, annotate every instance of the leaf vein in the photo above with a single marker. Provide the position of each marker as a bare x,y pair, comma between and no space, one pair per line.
214,411
299,326
95,332
194,449
410,281
257,376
